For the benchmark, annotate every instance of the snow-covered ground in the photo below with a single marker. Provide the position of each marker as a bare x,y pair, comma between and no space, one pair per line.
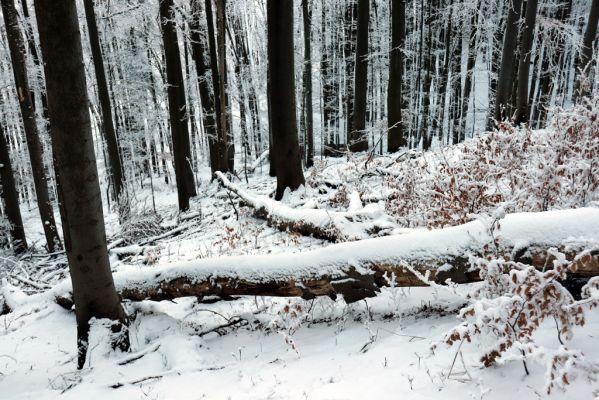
343,352
279,348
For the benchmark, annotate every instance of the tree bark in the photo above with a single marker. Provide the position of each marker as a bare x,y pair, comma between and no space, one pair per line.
93,286
10,198
34,145
472,53
352,283
358,139
522,109
504,81
286,152
198,46
583,61
112,144
307,19
177,106
221,126
227,133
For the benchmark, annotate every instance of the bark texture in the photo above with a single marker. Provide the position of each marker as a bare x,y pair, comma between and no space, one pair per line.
177,106
10,197
358,139
353,283
34,145
286,153
93,286
309,122
112,144
504,81
584,59
522,109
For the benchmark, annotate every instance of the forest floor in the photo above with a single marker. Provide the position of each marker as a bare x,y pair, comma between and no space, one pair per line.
183,349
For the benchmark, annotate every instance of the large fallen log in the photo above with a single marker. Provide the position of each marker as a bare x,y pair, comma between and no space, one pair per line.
359,269
359,222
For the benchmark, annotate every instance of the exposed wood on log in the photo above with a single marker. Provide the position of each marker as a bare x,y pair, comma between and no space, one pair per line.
358,270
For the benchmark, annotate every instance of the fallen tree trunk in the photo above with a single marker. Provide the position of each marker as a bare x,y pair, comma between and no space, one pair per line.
356,224
358,270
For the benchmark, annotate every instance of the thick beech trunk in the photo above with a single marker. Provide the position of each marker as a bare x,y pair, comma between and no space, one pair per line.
285,152
93,286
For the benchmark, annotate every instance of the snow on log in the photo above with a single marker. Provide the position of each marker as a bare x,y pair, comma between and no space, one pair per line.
357,223
357,270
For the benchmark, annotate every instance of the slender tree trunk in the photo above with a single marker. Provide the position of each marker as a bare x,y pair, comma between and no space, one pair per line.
472,46
349,51
395,137
307,19
93,286
116,170
177,106
583,62
198,47
426,90
522,111
442,85
227,134
358,139
504,81
10,197
34,145
286,151
221,125
456,84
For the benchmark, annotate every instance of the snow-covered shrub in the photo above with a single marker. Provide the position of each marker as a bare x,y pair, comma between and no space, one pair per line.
288,320
555,168
512,303
531,170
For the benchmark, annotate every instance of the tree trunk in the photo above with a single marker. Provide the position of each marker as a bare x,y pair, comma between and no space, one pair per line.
177,106
358,269
198,46
307,19
286,151
10,197
504,81
116,170
221,126
395,136
522,111
472,53
93,286
456,85
442,84
583,62
34,145
358,140
426,90
349,51
228,146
